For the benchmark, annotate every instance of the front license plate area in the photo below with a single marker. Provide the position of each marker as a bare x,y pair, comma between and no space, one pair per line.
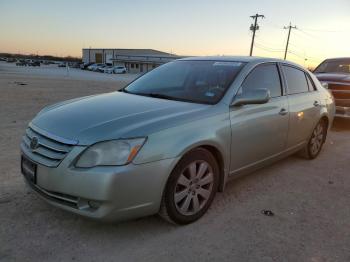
28,169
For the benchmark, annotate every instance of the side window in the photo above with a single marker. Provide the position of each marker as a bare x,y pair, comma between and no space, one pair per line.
296,80
264,76
310,83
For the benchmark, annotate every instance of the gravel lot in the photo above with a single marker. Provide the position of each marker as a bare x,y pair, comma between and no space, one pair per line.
310,199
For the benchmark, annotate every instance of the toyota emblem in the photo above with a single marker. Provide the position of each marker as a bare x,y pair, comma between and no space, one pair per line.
34,143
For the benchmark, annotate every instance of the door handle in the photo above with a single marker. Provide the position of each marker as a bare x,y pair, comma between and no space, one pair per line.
283,112
316,103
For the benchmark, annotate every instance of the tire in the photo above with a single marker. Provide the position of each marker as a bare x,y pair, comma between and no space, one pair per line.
316,141
191,188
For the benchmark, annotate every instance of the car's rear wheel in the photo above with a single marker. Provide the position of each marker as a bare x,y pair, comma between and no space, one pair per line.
191,188
315,144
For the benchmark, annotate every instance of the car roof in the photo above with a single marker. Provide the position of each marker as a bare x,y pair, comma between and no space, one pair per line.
338,59
245,59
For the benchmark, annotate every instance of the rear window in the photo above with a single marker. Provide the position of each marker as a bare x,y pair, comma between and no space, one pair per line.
296,80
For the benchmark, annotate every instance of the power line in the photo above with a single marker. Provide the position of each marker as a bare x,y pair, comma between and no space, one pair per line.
290,27
254,27
323,31
268,48
267,44
307,34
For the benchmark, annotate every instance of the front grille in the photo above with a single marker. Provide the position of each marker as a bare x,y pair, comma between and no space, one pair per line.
48,152
340,91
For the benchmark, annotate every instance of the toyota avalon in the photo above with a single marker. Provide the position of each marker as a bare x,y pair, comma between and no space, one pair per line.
174,137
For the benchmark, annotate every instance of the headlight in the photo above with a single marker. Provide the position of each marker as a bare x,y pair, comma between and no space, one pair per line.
324,84
110,153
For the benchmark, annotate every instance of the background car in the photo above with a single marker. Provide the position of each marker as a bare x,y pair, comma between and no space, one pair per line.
119,70
108,70
74,64
101,68
335,75
115,70
21,62
94,67
34,63
84,66
10,60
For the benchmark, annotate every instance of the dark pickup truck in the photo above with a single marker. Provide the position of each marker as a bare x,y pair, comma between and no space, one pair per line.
335,75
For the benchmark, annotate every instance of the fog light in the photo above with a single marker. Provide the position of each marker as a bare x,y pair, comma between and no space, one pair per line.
94,204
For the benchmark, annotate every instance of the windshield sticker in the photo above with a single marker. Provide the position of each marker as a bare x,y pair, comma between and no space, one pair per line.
209,94
235,64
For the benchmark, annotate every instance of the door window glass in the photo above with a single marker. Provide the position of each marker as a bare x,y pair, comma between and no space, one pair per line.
264,76
296,80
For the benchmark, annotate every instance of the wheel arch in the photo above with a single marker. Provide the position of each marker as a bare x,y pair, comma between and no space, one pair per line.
219,157
325,118
221,163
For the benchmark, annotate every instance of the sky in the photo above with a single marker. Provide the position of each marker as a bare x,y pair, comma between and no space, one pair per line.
183,27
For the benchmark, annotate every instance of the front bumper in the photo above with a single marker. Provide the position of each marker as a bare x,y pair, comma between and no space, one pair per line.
104,193
342,111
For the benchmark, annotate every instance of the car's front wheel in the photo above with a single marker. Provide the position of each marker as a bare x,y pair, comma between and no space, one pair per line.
191,188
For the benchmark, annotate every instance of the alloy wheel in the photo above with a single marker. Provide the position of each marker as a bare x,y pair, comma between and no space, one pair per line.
194,188
317,139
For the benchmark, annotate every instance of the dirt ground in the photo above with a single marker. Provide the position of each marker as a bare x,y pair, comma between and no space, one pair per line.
310,199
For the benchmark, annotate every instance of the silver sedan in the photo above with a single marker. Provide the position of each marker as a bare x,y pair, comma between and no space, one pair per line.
174,137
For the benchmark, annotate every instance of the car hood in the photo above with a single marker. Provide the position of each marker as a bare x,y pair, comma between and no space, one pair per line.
335,77
114,115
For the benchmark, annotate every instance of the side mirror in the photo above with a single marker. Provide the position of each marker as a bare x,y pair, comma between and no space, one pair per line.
250,97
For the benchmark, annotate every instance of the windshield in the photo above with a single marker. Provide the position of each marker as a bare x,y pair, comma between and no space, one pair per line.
192,81
335,66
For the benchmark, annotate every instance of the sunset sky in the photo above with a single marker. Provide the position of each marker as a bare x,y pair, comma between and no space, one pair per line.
184,27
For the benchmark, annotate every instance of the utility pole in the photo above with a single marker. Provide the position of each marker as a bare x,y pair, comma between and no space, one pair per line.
290,27
254,27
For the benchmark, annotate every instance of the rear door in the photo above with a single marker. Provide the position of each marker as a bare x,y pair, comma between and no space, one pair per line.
259,132
304,105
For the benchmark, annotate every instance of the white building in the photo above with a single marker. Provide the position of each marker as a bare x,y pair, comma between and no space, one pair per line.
135,60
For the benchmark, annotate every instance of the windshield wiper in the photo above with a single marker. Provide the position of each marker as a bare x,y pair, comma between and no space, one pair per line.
161,96
124,90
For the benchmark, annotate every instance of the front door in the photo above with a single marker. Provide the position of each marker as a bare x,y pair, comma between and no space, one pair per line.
259,132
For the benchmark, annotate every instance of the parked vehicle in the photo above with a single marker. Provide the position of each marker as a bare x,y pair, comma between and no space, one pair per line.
85,66
74,64
62,64
101,68
10,60
94,67
335,75
34,63
114,70
108,70
119,70
21,62
172,138
48,62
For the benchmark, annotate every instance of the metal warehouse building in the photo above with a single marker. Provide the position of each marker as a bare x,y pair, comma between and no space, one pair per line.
135,60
